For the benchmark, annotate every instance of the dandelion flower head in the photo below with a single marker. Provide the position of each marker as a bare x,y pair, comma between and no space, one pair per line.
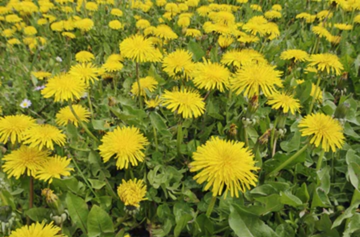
37,230
13,127
224,164
178,64
324,131
126,144
65,116
54,167
146,84
24,160
326,62
286,102
44,135
132,192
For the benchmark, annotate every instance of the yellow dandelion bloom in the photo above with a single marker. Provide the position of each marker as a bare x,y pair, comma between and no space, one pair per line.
24,160
146,84
246,56
224,164
13,127
44,135
116,12
65,116
186,102
37,230
326,62
115,25
139,49
126,143
85,71
225,41
295,54
343,26
40,75
165,32
285,102
30,30
183,22
112,66
84,24
178,64
321,31
211,76
64,87
69,35
325,131
54,167
132,192
252,77
152,103
84,57
316,92
272,14
193,32
142,24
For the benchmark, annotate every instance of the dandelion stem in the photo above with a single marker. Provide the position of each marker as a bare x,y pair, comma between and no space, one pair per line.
211,206
90,104
246,137
320,159
31,197
179,137
155,138
83,125
138,83
315,95
288,161
82,175
273,134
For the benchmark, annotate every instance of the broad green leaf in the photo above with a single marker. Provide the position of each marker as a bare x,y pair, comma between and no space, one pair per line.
303,193
238,225
78,210
353,225
349,212
38,214
196,50
181,223
290,199
99,223
96,184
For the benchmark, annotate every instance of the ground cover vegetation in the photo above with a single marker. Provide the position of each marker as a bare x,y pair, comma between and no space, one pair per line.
179,118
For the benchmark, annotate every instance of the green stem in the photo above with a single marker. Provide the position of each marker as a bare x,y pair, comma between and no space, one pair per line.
320,159
90,104
155,138
228,105
83,176
31,197
246,137
211,206
314,96
138,83
273,133
83,125
288,161
179,137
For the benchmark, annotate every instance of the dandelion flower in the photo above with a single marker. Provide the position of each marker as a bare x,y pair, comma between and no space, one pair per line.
13,127
326,62
139,49
316,92
343,26
84,57
40,75
285,102
115,25
211,76
192,32
224,164
30,30
152,103
126,143
84,24
186,102
64,116
132,192
37,230
165,32
24,160
295,54
178,63
252,77
245,56
44,135
325,131
85,71
64,87
146,84
116,12
54,167
112,66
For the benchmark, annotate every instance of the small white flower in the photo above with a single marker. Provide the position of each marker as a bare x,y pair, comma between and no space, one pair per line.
25,104
39,88
58,59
